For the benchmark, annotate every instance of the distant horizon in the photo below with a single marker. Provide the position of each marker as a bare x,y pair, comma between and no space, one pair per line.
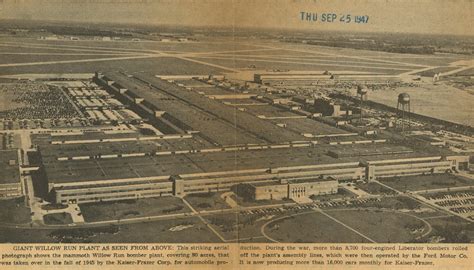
230,28
391,16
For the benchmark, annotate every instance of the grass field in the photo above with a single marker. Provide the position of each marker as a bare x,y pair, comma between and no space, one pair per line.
203,46
374,188
163,66
14,211
452,230
149,232
377,55
294,65
159,232
8,59
132,208
206,201
243,202
342,193
426,182
232,53
379,226
432,72
467,72
311,227
382,227
57,219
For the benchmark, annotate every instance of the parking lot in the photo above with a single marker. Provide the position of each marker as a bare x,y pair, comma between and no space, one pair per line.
34,101
461,202
350,203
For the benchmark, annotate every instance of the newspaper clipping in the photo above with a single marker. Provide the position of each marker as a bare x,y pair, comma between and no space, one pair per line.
236,134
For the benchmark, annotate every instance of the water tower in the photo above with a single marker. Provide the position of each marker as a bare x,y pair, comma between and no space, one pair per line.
362,94
403,108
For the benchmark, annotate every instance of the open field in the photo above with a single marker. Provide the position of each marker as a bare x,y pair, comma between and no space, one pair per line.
437,59
467,72
311,227
150,232
132,208
12,59
224,45
426,182
241,46
452,229
397,227
206,201
243,202
374,188
14,211
310,59
432,72
440,101
262,64
42,49
158,65
225,52
57,219
159,232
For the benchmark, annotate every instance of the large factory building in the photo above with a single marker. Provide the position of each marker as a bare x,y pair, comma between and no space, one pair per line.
276,183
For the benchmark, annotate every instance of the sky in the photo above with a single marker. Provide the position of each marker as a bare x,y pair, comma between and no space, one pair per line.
413,16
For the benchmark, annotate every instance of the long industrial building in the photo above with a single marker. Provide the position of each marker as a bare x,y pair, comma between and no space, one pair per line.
138,169
180,185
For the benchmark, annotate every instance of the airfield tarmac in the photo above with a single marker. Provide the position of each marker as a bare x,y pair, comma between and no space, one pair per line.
212,55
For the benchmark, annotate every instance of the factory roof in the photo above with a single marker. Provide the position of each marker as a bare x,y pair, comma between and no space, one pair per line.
9,171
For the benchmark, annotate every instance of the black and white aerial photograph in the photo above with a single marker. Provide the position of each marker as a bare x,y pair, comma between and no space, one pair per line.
236,121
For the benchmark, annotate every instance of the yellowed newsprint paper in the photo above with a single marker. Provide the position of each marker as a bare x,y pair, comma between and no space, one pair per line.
236,134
